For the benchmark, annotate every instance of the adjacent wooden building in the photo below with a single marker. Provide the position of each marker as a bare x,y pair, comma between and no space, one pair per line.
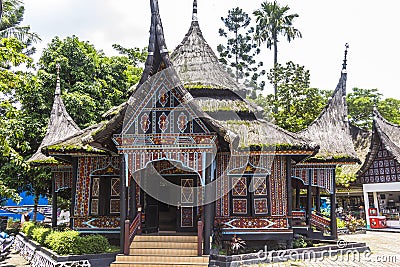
187,135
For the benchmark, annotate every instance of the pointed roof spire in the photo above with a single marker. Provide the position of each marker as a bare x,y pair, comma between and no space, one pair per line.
58,86
331,130
344,69
60,126
196,63
158,56
194,16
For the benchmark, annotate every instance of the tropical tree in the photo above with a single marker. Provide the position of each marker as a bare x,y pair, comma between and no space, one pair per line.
360,104
91,82
239,51
297,104
10,24
272,21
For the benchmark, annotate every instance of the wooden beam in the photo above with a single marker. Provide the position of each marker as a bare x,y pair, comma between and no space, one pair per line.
318,199
73,191
309,198
334,233
123,210
53,202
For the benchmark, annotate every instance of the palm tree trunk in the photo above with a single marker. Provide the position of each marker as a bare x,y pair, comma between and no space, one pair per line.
275,83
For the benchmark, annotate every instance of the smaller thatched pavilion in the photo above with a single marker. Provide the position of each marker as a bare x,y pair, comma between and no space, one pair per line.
331,131
60,126
380,173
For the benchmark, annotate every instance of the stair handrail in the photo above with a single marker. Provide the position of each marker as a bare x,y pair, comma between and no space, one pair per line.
131,230
200,238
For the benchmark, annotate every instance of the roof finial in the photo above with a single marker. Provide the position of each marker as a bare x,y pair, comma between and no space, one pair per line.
58,86
344,69
194,16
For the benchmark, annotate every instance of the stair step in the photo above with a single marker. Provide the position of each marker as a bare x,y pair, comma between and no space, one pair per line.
165,238
165,245
161,259
155,264
162,252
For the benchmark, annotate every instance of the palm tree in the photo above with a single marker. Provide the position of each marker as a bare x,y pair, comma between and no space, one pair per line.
273,20
12,13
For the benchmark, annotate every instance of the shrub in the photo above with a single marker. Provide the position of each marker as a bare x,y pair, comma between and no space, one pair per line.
27,228
340,223
94,244
13,227
299,242
40,234
62,243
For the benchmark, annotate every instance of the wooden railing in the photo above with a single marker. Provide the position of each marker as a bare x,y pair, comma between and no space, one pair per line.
320,221
200,238
132,229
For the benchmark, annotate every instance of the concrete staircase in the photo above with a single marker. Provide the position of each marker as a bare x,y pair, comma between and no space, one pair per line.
162,251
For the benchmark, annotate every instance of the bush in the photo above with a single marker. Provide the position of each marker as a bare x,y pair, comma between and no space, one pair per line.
340,223
40,234
13,227
299,242
62,243
94,244
27,228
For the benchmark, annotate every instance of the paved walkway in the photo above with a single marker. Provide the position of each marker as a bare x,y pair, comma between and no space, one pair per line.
14,260
385,251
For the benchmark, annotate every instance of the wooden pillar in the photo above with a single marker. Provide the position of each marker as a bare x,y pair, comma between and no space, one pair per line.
123,210
53,202
208,214
289,189
309,198
298,198
73,191
132,200
318,199
333,208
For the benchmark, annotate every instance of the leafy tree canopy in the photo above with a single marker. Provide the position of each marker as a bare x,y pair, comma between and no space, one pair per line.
91,82
238,53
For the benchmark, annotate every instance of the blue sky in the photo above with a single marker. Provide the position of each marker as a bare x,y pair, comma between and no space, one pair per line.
370,27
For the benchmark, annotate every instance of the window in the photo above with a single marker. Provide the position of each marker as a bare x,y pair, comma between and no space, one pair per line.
249,195
105,192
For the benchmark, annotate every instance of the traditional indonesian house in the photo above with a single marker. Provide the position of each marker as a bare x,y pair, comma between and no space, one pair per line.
186,153
316,175
380,175
60,126
349,197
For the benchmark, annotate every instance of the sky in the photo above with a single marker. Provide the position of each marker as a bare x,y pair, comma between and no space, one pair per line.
370,27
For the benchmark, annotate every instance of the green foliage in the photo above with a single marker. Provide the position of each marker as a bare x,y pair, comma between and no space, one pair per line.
91,82
62,243
340,223
352,223
297,104
39,234
390,110
10,24
92,244
360,105
299,242
27,228
137,55
344,179
239,51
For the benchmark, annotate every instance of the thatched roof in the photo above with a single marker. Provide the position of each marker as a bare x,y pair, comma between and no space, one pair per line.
385,133
362,141
331,130
60,126
196,63
228,114
79,143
